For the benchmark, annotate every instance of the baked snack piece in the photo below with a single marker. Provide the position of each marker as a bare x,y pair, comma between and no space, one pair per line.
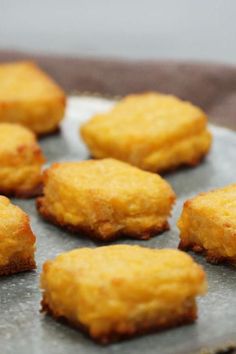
17,241
115,292
208,225
21,161
29,97
153,131
106,199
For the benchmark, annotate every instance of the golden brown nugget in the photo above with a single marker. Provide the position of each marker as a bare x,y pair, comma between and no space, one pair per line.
115,292
29,97
17,241
106,199
153,131
21,161
208,225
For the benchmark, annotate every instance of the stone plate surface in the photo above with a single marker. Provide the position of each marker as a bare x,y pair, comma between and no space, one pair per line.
24,330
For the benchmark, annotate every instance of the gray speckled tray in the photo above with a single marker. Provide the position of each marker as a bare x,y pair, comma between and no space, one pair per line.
24,330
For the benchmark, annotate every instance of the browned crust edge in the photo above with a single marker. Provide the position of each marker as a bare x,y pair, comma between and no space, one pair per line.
187,318
210,255
18,266
92,234
54,131
23,193
185,165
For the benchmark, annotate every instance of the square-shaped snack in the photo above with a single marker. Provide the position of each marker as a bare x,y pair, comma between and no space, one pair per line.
115,292
153,131
30,97
208,225
106,199
17,241
21,161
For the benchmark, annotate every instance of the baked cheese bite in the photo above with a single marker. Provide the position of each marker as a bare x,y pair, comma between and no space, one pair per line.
106,199
17,241
208,225
21,161
30,97
153,131
115,292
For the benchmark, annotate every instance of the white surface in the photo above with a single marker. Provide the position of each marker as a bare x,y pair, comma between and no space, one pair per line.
185,29
79,110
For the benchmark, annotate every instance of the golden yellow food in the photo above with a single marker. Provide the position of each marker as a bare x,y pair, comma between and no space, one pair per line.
29,97
106,199
114,292
153,131
208,225
17,241
21,161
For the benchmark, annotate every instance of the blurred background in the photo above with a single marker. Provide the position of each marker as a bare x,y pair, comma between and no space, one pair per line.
185,29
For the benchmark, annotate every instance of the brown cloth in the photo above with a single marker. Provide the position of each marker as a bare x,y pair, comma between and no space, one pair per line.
211,86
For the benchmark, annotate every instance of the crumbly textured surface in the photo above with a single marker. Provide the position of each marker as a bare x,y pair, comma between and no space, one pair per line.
115,292
17,241
106,199
21,161
153,131
208,225
29,97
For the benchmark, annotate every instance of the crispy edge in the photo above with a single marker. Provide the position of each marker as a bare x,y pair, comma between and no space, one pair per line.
18,266
185,165
189,316
211,256
54,131
92,234
23,193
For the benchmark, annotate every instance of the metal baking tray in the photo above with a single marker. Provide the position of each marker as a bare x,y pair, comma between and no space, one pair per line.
24,330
